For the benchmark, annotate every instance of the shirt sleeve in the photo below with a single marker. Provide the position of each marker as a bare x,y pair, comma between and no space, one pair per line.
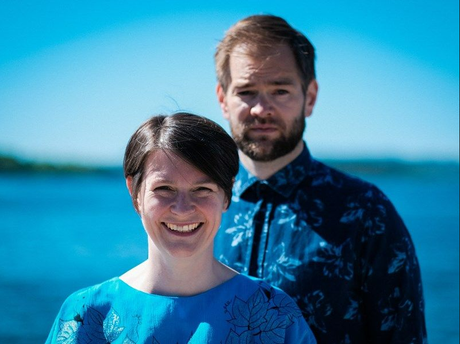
300,332
53,332
66,325
393,305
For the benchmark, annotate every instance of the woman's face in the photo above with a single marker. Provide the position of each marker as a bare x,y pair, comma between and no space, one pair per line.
180,206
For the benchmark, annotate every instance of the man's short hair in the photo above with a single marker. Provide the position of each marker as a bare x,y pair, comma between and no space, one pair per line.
258,34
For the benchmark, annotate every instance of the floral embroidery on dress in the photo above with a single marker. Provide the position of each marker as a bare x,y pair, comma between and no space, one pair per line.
93,327
265,316
67,331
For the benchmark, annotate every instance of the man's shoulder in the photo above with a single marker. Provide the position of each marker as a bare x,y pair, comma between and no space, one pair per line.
322,174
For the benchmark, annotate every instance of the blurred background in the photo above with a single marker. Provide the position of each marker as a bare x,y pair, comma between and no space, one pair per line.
78,77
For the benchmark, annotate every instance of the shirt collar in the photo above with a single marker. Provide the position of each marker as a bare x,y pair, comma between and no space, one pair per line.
284,182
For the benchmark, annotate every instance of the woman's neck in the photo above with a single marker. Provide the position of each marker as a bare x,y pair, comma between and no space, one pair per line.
177,276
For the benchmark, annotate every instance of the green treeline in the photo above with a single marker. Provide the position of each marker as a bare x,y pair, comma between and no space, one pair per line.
13,164
10,164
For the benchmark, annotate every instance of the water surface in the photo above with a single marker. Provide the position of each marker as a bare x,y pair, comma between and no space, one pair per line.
62,232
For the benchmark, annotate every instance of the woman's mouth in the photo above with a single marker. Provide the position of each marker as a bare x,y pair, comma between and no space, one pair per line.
183,228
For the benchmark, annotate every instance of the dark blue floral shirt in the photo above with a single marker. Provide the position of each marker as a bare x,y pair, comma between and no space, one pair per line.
335,244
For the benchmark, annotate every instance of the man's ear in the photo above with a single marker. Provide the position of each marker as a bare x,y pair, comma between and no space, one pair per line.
310,97
222,100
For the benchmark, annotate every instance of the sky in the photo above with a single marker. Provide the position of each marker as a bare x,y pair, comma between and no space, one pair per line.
78,77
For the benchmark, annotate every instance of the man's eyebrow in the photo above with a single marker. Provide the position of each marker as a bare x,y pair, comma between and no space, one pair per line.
244,85
275,82
283,81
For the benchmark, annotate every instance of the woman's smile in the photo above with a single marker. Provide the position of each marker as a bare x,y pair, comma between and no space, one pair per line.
188,228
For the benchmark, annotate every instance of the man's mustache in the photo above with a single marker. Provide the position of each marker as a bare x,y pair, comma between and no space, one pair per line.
254,120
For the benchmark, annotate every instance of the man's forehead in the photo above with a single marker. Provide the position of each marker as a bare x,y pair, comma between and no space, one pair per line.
276,66
259,52
259,49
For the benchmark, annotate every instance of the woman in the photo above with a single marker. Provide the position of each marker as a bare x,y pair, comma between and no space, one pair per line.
179,171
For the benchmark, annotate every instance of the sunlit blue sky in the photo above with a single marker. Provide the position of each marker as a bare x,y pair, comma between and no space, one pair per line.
78,77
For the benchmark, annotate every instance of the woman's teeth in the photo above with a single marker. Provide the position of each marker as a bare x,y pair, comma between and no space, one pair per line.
182,229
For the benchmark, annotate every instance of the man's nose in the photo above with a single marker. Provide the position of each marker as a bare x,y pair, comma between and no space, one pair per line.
182,205
262,106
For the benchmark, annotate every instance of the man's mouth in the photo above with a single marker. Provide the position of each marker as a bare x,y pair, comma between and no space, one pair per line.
263,128
183,228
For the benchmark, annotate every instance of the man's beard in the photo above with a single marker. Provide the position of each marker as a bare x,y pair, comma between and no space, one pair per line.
264,148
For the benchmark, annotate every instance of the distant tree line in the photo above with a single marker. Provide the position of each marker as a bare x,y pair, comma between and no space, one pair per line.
12,164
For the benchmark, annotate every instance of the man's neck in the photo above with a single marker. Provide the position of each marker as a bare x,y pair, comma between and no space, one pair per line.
265,169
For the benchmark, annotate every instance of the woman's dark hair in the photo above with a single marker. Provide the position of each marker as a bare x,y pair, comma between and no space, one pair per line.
197,140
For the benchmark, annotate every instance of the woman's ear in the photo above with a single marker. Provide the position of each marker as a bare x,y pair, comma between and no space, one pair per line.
226,205
129,184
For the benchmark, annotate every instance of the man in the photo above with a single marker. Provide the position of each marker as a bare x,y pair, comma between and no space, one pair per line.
333,242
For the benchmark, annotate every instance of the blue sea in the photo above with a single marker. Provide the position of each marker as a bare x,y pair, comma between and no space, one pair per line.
62,232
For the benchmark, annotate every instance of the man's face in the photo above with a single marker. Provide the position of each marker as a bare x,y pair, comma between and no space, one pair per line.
265,103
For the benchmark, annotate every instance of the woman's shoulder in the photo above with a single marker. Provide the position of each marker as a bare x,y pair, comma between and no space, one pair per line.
93,294
252,291
258,305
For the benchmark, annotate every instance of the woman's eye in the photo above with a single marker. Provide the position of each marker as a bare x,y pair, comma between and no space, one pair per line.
163,189
203,191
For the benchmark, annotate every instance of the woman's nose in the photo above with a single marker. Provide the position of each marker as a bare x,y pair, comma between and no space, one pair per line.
182,205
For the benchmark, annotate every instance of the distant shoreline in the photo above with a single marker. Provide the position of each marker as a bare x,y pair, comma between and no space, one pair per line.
10,164
396,167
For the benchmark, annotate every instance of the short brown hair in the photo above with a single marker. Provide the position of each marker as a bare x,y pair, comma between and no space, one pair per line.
261,32
197,140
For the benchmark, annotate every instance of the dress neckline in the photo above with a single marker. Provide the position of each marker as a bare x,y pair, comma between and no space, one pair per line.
131,289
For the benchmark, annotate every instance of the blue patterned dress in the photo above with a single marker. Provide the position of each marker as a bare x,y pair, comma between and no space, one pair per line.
332,242
241,310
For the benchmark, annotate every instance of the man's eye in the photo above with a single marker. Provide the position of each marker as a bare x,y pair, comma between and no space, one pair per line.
163,188
246,93
281,92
